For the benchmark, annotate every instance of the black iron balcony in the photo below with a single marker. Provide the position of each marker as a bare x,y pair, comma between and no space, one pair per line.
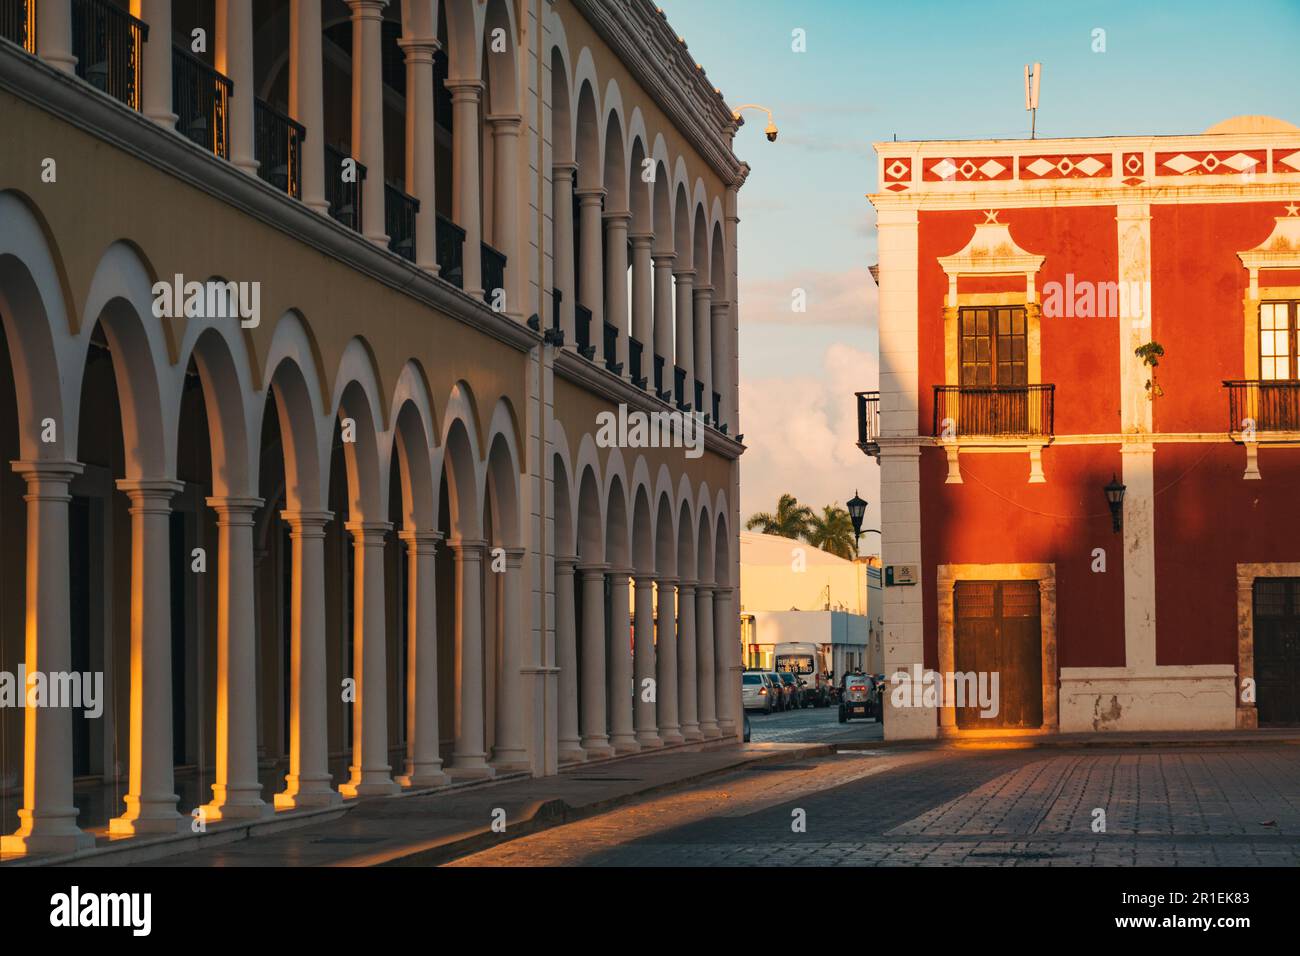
699,397
634,352
399,221
106,41
201,100
659,378
869,422
582,331
1268,405
451,251
344,197
679,388
611,349
277,146
555,334
1002,411
717,408
18,23
494,272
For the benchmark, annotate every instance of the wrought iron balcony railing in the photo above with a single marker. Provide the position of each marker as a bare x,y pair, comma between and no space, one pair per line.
344,197
699,397
611,349
450,241
1268,405
659,379
582,331
18,23
201,101
494,272
634,352
277,147
679,388
106,41
868,422
717,408
399,221
1004,411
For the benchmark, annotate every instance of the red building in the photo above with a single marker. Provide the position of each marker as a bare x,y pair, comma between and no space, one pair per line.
1026,288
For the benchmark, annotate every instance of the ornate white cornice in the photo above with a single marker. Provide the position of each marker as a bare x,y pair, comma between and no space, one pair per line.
640,36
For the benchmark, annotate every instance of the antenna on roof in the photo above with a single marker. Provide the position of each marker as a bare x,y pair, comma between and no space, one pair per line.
1032,76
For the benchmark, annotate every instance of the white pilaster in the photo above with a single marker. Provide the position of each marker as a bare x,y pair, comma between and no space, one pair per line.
562,213
469,759
423,760
233,56
566,658
670,729
307,96
465,200
619,665
685,316
156,60
595,739
647,733
688,701
368,112
505,205
419,146
509,753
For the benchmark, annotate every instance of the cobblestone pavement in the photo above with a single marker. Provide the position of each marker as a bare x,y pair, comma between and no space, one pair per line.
1165,806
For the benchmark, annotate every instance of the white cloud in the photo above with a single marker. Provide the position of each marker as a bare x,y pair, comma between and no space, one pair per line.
801,434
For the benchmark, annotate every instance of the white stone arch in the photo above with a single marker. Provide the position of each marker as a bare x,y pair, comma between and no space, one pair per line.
662,201
412,436
700,237
562,90
293,374
37,327
458,459
643,536
120,298
639,193
686,544
723,543
230,398
464,20
683,235
500,71
592,501
357,397
665,518
704,536
613,123
617,522
501,476
564,492
588,125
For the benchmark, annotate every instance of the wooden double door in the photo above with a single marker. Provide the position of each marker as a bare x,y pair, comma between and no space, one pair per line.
998,630
1277,651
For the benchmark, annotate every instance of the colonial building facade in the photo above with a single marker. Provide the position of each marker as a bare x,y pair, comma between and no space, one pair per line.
311,312
1087,428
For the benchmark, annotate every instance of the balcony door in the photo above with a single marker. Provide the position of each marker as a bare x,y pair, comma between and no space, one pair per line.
994,370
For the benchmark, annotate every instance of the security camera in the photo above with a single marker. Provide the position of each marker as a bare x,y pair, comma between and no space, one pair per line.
771,132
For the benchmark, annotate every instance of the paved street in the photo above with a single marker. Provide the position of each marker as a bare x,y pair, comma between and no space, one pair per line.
810,725
1163,806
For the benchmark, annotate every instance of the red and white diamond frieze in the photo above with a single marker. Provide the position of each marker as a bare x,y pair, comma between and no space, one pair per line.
1224,163
1284,162
966,169
1064,167
898,173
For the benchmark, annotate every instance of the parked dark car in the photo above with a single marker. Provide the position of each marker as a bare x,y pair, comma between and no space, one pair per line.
794,689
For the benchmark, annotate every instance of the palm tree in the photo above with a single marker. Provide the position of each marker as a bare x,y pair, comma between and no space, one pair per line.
833,532
790,520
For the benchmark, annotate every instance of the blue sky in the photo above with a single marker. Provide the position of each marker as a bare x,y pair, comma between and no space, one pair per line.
924,70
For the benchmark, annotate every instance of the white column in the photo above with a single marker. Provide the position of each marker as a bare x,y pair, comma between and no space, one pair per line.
54,34
233,56
647,732
704,346
371,774
731,353
562,217
156,60
151,795
726,661
419,146
566,659
687,684
620,664
469,759
643,302
307,97
236,792
663,318
47,821
465,200
595,740
670,730
505,205
423,760
705,679
685,357
368,112
509,754
616,225
308,783
592,275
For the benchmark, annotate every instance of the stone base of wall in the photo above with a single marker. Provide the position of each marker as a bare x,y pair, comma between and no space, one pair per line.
1097,699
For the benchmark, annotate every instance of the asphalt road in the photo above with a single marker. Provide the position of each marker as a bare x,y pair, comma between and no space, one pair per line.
811,725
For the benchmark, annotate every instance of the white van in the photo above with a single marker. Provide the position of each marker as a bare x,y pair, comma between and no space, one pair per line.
809,664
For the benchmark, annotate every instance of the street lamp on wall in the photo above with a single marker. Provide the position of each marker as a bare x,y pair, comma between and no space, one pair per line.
857,508
1115,499
770,130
